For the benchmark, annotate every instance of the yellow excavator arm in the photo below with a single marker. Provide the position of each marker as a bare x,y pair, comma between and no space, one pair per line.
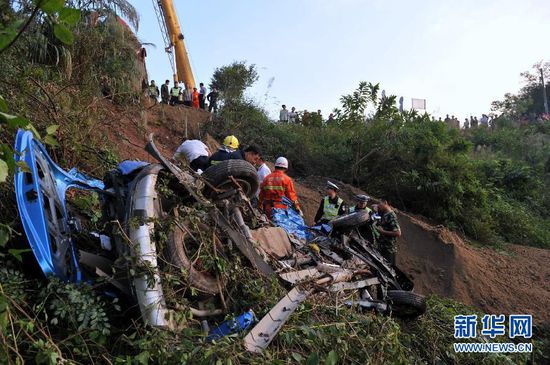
174,38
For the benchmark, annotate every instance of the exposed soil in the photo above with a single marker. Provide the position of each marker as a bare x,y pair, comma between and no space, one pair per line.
439,261
129,128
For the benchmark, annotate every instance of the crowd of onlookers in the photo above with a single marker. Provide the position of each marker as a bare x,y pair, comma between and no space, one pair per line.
489,121
473,122
304,117
179,94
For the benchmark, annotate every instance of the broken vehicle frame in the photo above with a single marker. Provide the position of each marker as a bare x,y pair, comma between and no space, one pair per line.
51,229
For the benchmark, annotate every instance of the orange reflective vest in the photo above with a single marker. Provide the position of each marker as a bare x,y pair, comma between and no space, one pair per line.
195,99
273,188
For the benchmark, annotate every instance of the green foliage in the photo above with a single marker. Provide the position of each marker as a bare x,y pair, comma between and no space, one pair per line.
232,80
530,99
489,184
76,308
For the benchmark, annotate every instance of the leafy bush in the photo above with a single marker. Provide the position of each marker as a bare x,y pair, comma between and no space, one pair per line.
489,184
76,308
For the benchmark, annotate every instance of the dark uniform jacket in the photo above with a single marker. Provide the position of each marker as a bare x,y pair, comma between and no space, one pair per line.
223,154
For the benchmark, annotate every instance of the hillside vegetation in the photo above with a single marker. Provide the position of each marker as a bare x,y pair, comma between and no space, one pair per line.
489,183
52,84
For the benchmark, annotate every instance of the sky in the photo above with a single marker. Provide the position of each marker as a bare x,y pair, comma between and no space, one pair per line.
458,55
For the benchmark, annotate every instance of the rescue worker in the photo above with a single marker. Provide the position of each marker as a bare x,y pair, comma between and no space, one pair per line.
362,201
366,230
275,186
174,93
388,229
196,98
195,152
331,206
154,91
165,92
253,154
229,151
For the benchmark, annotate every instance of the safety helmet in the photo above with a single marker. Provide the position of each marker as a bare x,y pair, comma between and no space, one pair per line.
231,141
333,186
362,198
281,162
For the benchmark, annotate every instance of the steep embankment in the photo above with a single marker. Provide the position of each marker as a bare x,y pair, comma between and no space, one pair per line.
514,280
439,261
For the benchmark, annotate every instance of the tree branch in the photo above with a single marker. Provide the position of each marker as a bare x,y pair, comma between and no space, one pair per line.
27,23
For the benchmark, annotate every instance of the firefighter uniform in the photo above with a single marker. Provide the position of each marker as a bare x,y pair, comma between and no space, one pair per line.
273,188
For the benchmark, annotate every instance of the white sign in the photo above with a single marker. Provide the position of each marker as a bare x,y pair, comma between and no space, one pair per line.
419,104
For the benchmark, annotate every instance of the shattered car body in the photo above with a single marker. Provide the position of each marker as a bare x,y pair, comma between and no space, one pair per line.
307,262
41,192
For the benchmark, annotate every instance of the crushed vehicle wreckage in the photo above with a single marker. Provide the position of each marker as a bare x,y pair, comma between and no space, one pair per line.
148,225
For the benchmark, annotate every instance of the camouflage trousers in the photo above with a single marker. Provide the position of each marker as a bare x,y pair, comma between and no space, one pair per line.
388,249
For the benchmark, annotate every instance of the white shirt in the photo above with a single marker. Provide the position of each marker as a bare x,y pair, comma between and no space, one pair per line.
263,171
203,90
192,149
283,115
292,117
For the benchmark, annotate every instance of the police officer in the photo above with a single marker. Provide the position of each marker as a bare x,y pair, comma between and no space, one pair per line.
366,230
362,201
331,206
388,229
174,93
153,91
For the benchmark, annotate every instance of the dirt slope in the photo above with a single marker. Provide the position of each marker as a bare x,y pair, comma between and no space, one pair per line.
128,128
438,260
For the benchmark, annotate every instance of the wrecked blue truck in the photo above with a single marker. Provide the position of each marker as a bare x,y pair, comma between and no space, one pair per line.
132,207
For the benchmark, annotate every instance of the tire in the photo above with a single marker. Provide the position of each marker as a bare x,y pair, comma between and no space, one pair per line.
243,172
406,304
350,220
177,256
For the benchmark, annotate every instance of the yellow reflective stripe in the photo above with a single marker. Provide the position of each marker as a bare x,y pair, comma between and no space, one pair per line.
273,187
213,162
330,211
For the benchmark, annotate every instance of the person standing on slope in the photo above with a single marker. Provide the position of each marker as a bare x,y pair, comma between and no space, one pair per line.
196,98
153,91
331,205
202,96
212,98
174,94
389,230
283,115
165,92
276,186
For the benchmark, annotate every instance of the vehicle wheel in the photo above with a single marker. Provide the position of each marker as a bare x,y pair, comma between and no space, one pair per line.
243,172
406,304
179,243
350,220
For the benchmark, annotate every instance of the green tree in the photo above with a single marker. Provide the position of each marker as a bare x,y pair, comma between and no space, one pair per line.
530,97
232,80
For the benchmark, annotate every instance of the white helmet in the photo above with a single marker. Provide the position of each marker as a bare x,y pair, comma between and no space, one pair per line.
281,162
